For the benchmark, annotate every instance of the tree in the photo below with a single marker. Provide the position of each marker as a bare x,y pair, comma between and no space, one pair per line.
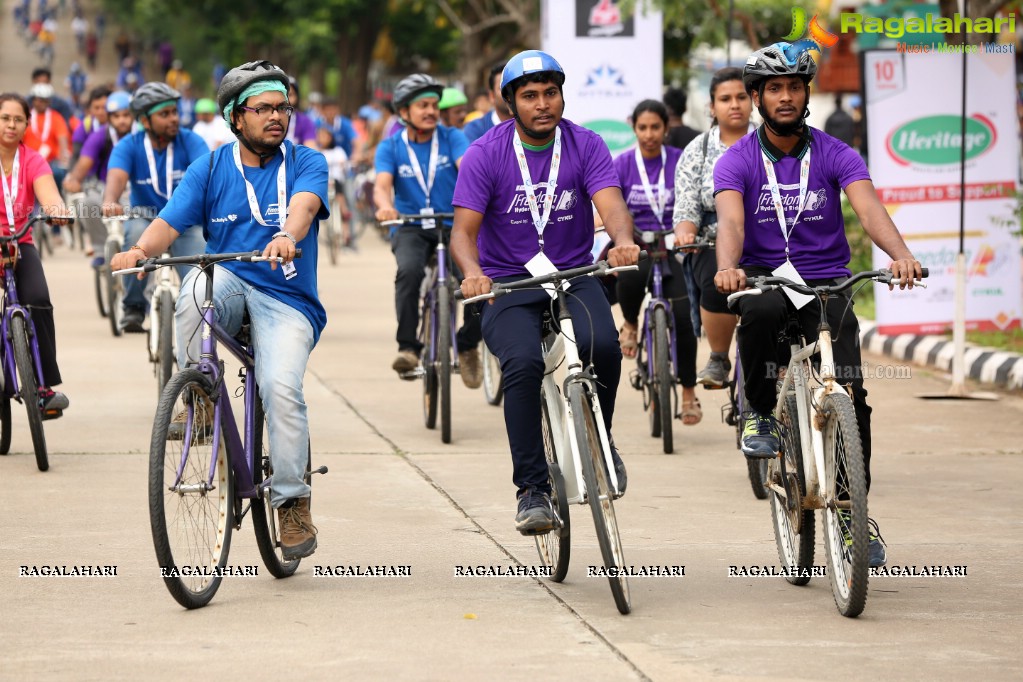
975,9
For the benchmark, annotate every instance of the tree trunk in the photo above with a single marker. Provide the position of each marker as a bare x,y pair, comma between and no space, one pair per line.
354,54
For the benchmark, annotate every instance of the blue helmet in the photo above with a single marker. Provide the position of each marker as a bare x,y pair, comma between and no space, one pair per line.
118,100
527,63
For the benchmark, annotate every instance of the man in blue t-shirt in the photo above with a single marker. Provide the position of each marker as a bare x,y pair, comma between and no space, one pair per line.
788,168
425,183
476,128
154,161
236,192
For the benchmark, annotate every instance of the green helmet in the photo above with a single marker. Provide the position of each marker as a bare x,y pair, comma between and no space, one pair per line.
452,97
206,106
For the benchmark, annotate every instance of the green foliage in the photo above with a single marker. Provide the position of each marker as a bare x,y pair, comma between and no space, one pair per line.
861,259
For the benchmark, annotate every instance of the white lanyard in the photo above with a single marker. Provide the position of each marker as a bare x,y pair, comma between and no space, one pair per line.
11,192
114,137
656,207
148,144
46,125
282,190
426,185
494,117
539,222
772,182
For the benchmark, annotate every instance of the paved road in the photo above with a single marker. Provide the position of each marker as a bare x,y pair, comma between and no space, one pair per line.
947,477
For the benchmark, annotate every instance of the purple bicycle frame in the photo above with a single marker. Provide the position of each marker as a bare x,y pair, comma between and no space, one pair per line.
13,307
658,257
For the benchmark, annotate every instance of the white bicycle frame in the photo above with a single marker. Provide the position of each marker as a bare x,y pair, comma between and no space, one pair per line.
167,281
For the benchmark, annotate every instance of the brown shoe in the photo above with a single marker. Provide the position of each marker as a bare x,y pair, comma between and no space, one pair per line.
405,362
470,367
203,425
298,534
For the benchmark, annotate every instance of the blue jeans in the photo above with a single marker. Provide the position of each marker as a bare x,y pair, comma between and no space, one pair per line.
287,337
189,243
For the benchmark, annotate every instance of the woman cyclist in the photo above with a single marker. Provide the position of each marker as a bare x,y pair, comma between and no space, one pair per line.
642,172
27,178
695,216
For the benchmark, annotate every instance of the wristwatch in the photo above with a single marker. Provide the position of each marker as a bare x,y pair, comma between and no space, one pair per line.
283,233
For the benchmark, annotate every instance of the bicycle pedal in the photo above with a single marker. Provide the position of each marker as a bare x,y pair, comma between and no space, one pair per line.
52,414
635,380
318,470
535,532
714,387
412,375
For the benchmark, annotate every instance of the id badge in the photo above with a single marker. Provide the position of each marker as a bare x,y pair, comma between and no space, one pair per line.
289,270
788,271
540,265
428,223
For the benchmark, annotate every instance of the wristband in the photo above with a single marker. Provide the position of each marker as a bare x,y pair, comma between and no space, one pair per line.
283,233
136,246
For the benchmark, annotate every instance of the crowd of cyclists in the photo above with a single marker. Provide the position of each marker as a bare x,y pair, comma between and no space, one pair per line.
258,166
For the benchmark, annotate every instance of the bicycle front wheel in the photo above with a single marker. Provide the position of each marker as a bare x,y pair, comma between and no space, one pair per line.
846,535
164,319
29,388
664,382
191,516
793,525
115,289
333,233
555,548
444,359
493,386
5,424
598,493
429,370
101,282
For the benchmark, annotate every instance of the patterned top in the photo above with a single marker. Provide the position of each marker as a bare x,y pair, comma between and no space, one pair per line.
694,182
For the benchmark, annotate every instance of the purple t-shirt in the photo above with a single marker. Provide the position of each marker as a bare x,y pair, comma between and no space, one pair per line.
817,245
489,182
96,148
632,187
302,129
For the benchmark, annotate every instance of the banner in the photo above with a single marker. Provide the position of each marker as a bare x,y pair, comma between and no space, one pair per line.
611,63
913,115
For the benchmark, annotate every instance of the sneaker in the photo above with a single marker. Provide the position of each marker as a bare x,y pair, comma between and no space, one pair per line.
406,361
176,430
298,534
761,438
876,554
470,368
623,477
536,513
715,374
132,321
52,403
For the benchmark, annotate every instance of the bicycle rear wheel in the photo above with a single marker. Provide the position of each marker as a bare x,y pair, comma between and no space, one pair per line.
29,388
555,548
444,349
5,424
264,521
598,493
163,318
493,386
429,370
756,469
846,535
793,525
664,382
115,289
333,233
191,521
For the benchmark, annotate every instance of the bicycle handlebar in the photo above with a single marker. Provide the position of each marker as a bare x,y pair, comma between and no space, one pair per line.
758,285
406,219
37,219
202,260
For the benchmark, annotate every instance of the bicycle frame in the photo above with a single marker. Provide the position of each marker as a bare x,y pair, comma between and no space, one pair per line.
165,282
12,307
439,275
658,250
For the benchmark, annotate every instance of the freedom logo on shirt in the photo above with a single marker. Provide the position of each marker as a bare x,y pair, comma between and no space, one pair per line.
638,197
565,201
815,199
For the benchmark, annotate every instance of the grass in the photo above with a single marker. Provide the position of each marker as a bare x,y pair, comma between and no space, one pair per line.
1010,340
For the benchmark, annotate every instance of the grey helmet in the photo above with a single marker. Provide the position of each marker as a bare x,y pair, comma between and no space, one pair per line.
779,59
241,77
412,86
149,95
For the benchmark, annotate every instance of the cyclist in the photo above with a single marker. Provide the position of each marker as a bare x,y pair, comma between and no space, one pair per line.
47,132
504,232
210,125
642,172
240,190
95,118
453,107
499,111
779,211
90,171
694,216
302,129
423,185
154,160
26,177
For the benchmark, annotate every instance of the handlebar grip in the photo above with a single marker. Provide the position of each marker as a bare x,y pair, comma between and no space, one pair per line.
459,295
298,253
643,255
924,272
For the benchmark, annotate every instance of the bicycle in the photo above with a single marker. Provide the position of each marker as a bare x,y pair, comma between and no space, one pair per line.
820,465
22,367
576,443
331,228
203,477
493,384
732,414
438,359
161,326
109,288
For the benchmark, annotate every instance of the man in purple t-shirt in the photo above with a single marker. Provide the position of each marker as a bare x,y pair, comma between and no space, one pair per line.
496,234
757,178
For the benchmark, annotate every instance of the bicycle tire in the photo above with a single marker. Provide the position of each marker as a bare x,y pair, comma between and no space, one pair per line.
333,239
598,494
429,370
444,350
664,382
555,547
115,289
165,344
5,425
29,388
493,383
793,525
101,282
264,523
172,514
843,454
644,369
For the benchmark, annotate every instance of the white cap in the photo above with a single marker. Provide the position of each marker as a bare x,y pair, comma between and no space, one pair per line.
42,90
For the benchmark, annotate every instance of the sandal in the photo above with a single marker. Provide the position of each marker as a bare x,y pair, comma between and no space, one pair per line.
628,340
692,412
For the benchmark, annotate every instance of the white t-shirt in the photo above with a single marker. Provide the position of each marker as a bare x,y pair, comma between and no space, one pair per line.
337,163
214,133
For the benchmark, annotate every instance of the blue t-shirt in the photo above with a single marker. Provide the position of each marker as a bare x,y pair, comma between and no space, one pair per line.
218,200
130,156
476,128
392,157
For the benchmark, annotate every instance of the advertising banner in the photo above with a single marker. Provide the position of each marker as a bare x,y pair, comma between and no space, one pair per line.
611,63
913,114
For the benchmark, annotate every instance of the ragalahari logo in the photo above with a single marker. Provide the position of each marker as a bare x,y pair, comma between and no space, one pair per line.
819,37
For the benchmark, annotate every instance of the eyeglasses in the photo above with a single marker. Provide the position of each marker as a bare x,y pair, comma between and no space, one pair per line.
17,120
265,109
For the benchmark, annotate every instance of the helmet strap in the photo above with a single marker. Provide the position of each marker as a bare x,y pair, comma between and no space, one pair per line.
781,129
518,119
